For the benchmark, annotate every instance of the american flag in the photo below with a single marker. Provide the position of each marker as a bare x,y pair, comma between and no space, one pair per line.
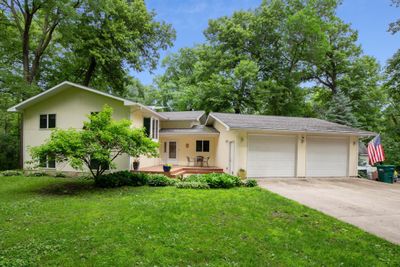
375,150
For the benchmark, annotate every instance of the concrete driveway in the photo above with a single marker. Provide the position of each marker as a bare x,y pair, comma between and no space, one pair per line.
372,206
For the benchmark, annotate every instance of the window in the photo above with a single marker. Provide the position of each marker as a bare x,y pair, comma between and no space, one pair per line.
152,126
48,162
52,121
147,125
202,146
47,121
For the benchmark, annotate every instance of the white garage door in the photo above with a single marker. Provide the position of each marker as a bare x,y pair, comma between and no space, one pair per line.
271,156
326,157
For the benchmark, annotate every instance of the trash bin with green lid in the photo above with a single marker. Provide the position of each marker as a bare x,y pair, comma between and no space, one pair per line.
385,173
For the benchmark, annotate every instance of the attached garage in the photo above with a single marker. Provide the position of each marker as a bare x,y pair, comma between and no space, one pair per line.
327,157
271,156
278,146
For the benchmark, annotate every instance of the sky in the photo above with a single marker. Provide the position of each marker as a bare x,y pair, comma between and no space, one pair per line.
190,18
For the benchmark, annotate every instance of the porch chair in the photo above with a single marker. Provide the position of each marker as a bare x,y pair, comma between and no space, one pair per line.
206,159
199,161
190,160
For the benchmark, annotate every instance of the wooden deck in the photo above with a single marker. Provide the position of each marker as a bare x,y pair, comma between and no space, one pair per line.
181,170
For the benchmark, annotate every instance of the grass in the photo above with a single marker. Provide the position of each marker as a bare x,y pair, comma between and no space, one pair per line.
58,221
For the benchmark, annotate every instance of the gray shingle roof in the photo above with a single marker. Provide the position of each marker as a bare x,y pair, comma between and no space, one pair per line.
183,115
281,123
197,129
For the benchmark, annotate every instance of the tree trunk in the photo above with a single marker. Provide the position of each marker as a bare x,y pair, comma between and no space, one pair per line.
25,48
90,71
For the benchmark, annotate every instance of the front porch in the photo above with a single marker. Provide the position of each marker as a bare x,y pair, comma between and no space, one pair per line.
182,170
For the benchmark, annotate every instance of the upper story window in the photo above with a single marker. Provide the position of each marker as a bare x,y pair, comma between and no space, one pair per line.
152,127
47,121
202,146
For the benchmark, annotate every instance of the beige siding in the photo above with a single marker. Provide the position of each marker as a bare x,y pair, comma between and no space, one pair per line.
353,156
71,108
301,155
222,156
186,147
137,116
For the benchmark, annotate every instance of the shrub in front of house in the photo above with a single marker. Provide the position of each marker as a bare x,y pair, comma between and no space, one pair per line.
37,174
215,180
127,178
11,173
192,185
139,178
60,175
121,178
250,183
160,180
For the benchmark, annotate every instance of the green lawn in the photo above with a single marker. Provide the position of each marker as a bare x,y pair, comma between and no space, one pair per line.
56,221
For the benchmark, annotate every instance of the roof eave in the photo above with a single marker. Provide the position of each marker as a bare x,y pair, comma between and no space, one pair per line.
218,120
361,134
168,134
20,106
141,106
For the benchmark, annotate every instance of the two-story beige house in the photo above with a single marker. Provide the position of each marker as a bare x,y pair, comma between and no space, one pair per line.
264,146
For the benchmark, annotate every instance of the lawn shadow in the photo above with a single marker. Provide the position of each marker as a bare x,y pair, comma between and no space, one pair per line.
68,188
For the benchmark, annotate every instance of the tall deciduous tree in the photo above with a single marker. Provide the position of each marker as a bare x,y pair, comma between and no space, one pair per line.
97,43
109,38
35,23
293,45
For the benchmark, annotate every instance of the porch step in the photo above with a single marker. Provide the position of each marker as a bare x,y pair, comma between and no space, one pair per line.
189,170
177,171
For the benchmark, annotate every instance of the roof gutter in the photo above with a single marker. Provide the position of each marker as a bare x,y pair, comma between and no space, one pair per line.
366,134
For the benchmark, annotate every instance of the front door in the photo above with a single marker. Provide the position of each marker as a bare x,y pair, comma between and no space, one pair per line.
170,152
231,157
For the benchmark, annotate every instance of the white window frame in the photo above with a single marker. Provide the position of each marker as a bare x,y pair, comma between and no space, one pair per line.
154,123
47,164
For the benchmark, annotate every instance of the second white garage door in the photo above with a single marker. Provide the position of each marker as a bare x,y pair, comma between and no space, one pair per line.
327,157
271,156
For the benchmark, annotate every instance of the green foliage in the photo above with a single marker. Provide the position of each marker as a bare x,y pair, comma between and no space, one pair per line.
391,131
160,180
11,173
109,38
250,183
101,141
60,175
92,42
215,180
127,178
192,185
121,178
37,174
265,60
340,110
